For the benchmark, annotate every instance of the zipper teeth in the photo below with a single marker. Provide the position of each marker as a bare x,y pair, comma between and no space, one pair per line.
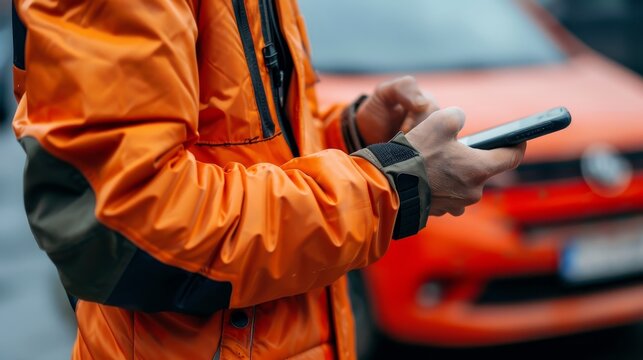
286,129
267,125
263,12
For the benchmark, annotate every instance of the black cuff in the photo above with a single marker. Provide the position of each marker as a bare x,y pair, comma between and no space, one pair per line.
352,137
404,168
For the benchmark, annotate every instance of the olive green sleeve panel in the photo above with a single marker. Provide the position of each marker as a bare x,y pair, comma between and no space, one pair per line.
403,166
96,263
60,208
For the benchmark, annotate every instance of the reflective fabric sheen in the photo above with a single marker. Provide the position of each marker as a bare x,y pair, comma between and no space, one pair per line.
152,102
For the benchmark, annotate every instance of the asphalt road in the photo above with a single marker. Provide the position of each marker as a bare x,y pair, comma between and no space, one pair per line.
37,323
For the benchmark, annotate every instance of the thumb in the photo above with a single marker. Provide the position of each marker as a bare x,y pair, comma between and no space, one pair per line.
446,123
503,159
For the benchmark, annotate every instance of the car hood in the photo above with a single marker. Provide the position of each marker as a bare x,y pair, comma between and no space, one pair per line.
605,100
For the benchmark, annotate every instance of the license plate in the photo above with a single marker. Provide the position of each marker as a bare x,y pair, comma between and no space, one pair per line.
602,255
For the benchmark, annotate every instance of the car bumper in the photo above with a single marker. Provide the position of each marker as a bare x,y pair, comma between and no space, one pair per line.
452,255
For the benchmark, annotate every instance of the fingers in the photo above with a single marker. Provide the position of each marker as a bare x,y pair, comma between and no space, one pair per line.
447,123
499,160
405,91
453,211
402,102
413,119
457,211
437,212
457,173
455,204
441,127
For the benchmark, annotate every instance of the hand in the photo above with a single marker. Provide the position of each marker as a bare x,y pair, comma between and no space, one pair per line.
396,105
457,173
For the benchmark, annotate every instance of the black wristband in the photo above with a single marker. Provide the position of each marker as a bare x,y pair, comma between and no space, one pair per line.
404,167
350,132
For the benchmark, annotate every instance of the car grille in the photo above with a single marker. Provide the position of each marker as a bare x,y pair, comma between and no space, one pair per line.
523,289
534,230
568,169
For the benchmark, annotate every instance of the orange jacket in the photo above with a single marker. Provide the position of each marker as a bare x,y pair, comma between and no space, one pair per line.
162,187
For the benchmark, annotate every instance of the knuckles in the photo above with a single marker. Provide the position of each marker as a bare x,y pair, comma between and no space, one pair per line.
457,211
449,121
405,82
398,85
473,195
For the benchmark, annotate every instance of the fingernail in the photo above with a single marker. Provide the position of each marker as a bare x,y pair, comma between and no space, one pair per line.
420,101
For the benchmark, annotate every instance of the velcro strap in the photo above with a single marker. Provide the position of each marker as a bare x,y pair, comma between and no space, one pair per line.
407,222
391,153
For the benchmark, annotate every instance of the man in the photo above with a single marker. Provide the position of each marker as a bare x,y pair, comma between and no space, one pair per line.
176,176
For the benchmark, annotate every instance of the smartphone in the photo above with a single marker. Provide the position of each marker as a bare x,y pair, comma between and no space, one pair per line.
517,131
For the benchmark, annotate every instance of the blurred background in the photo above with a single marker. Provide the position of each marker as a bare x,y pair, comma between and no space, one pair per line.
549,264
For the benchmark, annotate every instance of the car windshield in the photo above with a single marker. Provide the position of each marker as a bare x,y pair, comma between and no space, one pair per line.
376,36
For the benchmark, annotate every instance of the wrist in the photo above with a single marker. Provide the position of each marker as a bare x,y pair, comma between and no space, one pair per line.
404,168
350,131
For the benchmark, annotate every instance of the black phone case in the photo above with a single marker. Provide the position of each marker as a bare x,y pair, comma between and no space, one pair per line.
516,137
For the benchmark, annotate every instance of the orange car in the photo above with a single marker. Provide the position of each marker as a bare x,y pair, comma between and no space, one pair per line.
556,247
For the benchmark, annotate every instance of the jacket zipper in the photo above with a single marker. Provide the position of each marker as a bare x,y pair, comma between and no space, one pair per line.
273,38
267,126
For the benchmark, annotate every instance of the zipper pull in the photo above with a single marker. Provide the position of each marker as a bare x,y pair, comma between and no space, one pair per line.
270,56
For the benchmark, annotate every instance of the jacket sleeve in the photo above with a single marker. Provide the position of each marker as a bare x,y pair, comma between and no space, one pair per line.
127,214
